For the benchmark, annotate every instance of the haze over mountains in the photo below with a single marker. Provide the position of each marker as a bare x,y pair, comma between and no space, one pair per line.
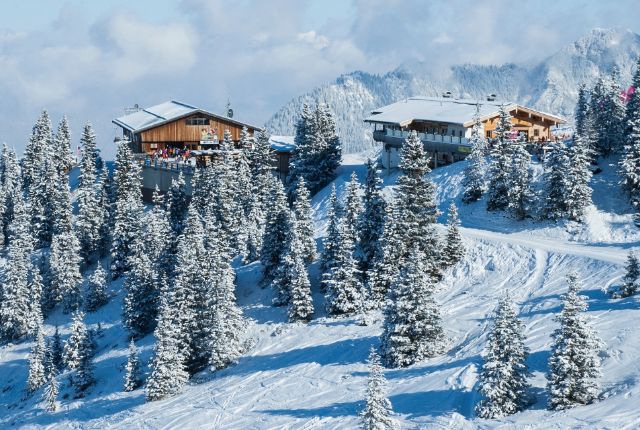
550,85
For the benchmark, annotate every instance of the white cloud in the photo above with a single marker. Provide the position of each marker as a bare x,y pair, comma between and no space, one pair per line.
318,41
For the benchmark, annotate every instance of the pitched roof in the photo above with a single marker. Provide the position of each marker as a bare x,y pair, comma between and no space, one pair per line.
447,110
165,112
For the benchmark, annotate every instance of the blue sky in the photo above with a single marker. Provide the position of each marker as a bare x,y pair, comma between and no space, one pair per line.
90,59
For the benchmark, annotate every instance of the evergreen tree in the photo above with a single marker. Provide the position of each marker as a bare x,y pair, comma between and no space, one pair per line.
37,377
341,281
630,162
574,364
11,191
128,209
519,194
503,378
133,377
582,115
630,280
454,249
500,164
35,303
50,394
36,150
377,412
64,272
632,110
15,297
96,290
412,325
304,215
386,262
78,352
168,372
353,206
56,352
107,206
372,220
318,152
578,193
277,230
90,212
475,171
177,204
61,155
330,242
608,114
557,166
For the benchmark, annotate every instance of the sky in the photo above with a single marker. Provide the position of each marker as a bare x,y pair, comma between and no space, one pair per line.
89,60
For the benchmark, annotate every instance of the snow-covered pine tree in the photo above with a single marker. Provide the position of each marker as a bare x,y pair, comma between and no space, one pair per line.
412,324
632,110
519,194
371,222
141,286
300,301
276,234
64,272
15,297
304,216
318,152
475,171
454,248
630,162
415,209
353,206
36,149
168,372
90,212
574,365
56,352
342,280
386,262
177,204
630,279
37,377
608,114
61,147
50,394
159,237
578,193
581,117
335,213
11,191
133,376
96,290
377,412
500,163
503,378
107,206
286,271
78,343
557,166
35,303
128,209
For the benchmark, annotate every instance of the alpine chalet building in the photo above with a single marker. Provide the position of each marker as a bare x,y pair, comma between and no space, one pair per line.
444,125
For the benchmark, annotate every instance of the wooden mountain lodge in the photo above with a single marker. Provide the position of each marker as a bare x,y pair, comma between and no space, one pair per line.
174,137
444,125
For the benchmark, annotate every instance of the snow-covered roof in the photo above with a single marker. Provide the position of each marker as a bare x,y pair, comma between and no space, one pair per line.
439,109
162,113
282,143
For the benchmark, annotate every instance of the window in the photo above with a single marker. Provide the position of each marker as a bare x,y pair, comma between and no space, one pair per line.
453,133
536,132
197,121
488,133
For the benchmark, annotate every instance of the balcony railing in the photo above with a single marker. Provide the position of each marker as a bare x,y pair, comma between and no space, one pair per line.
426,137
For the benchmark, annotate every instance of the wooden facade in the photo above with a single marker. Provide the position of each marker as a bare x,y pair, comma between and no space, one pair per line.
537,127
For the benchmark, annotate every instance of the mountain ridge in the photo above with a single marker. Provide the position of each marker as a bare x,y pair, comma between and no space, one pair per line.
550,85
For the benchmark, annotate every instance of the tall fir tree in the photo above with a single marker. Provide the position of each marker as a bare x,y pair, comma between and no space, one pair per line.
412,328
353,206
64,272
90,212
61,146
37,376
133,375
107,206
520,195
342,280
50,394
454,248
56,352
335,213
557,165
177,204
372,219
578,193
377,412
78,355
630,162
582,114
304,216
500,165
503,378
475,171
385,265
276,233
574,365
128,209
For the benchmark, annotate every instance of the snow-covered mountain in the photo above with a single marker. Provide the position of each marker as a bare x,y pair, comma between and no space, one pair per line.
550,85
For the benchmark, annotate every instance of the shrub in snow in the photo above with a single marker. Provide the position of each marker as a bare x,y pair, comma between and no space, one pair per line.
503,378
574,365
